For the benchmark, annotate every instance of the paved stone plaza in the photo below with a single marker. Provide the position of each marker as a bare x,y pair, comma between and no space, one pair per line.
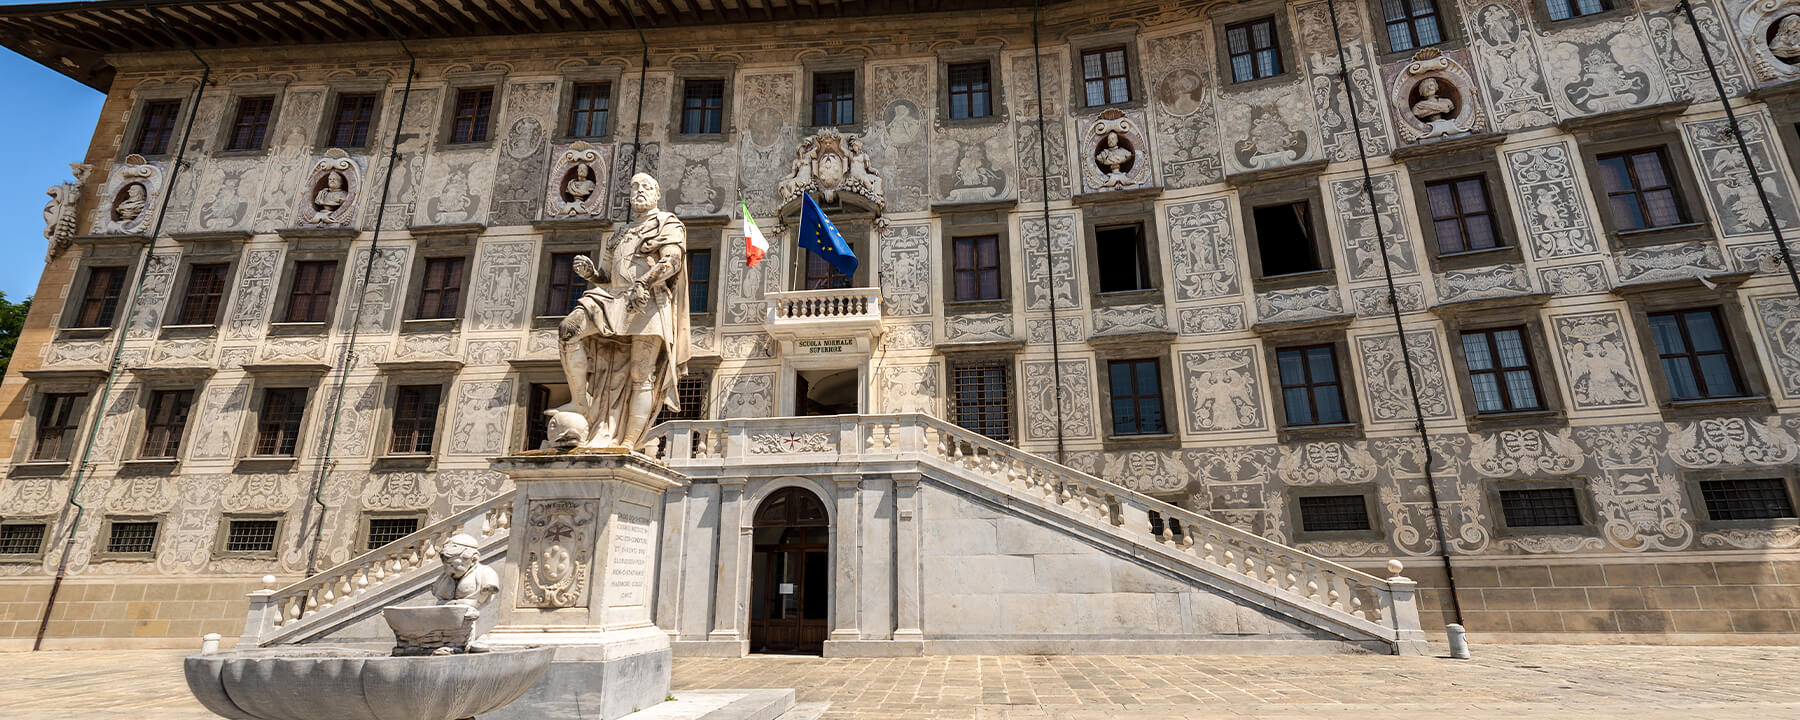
1645,683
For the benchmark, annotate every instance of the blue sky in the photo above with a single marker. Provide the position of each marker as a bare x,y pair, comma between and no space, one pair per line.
49,126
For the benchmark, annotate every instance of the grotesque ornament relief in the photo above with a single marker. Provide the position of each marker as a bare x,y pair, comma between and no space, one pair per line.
1384,376
408,176
524,151
1215,319
906,336
481,411
970,165
746,396
1269,128
979,327
331,191
399,491
380,295
1669,262
1054,274
1685,65
1298,304
1510,69
1525,453
1489,282
1075,391
577,186
1731,441
1434,97
1373,301
560,535
1577,279
898,93
906,285
703,180
1063,330
59,213
1148,471
1033,173
1128,319
455,188
910,388
1326,463
1779,316
146,315
1338,130
765,101
226,190
131,193
256,288
829,162
1601,369
502,287
1118,153
1223,390
1547,193
1182,94
1603,67
1727,181
1357,226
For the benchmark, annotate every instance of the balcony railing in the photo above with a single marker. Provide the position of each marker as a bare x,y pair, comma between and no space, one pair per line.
846,309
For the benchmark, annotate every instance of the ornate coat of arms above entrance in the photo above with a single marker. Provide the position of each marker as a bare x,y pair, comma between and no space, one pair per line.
830,162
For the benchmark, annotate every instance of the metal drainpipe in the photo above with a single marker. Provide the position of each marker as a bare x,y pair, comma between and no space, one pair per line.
112,371
1387,270
1037,66
1787,257
347,358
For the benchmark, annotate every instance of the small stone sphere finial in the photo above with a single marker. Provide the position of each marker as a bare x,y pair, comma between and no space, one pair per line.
268,582
1395,566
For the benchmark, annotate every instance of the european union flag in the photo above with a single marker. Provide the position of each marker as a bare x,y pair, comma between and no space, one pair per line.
820,236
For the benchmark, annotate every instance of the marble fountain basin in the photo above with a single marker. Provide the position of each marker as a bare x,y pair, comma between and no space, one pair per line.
317,683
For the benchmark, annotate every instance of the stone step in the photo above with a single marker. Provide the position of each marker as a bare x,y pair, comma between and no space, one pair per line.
722,705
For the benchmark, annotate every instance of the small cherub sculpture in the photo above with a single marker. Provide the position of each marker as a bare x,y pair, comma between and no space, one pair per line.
465,582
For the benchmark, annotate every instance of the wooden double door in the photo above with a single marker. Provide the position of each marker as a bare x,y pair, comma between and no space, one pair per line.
790,583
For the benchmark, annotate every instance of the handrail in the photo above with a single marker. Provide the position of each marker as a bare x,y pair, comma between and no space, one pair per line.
840,303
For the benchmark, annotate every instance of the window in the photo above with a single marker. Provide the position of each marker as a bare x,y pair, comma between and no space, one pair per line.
100,300
415,419
251,536
1123,260
821,275
278,425
309,300
1461,217
56,426
1749,499
1411,23
703,107
473,108
971,91
699,272
440,292
204,294
981,398
565,286
1565,9
691,391
132,538
588,109
834,98
251,127
384,530
165,422
1253,51
21,539
1310,390
1333,513
1540,507
1104,76
1696,356
1500,371
1284,239
350,124
1640,190
1136,397
158,127
976,267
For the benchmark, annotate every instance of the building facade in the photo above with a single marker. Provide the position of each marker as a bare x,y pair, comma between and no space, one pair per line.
289,315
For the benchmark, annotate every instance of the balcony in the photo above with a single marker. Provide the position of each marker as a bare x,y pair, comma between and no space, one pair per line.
824,322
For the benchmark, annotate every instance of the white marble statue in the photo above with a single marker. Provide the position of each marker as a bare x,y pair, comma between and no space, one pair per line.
134,204
582,185
465,582
59,213
332,196
1430,107
626,344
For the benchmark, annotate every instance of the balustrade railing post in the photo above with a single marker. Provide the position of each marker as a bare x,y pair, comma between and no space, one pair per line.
263,617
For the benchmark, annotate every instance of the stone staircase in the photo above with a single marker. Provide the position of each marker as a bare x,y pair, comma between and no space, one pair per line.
1340,602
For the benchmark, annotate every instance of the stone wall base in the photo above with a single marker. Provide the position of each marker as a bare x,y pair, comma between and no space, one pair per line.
608,675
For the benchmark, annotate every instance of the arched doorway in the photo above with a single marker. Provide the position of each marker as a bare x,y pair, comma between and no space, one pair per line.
790,574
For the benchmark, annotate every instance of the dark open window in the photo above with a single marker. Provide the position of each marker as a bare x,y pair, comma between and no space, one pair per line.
703,107
1123,259
1310,389
1461,217
1696,356
542,397
565,286
1284,239
971,91
1641,190
384,530
1540,507
132,538
976,267
821,275
1747,499
56,426
415,419
1565,9
278,425
250,129
440,291
309,300
158,127
165,423
981,398
204,295
1137,397
100,299
22,539
474,107
1411,24
699,272
1105,77
1500,371
1253,50
834,98
1333,513
588,109
251,536
351,123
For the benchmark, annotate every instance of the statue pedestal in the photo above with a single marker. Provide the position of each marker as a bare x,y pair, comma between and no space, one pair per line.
581,565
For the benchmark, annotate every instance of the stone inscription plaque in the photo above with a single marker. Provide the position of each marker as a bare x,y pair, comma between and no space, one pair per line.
628,571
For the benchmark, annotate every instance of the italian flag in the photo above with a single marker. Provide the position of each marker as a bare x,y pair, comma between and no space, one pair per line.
755,246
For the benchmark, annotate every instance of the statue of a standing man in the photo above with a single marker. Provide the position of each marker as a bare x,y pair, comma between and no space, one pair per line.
625,346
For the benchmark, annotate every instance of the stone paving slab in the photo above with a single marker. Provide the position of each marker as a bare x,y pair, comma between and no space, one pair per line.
1501,683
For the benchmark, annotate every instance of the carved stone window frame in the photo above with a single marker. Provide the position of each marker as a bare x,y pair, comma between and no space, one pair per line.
238,92
1524,312
986,354
328,120
436,247
1296,528
1450,28
1283,191
565,105
111,255
151,381
1696,500
821,64
456,83
395,375
1691,294
1648,129
989,54
222,537
1113,214
263,378
1328,332
180,90
1134,64
976,223
227,253
708,233
1456,159
723,72
44,543
40,385
1584,502
1145,346
300,251
1284,44
101,543
362,524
